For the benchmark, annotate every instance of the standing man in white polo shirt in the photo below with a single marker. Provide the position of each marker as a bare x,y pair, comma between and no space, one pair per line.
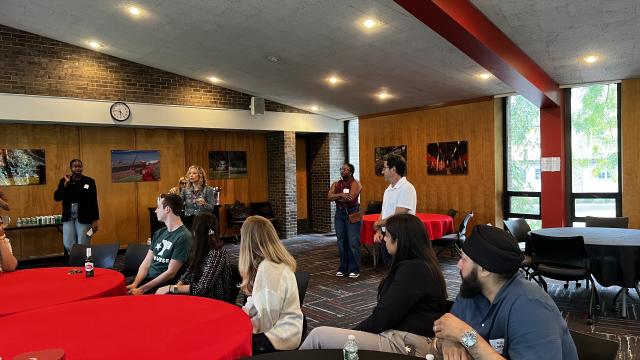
399,198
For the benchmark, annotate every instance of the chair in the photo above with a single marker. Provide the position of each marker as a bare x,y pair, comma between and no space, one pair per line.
452,213
374,207
520,229
78,255
133,257
608,222
594,348
104,255
236,215
449,241
236,280
302,278
563,258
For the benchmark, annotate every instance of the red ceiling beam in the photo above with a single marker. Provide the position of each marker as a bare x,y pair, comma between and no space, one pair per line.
463,25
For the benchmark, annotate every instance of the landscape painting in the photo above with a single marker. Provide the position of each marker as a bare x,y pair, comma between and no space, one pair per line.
227,164
383,152
135,165
22,167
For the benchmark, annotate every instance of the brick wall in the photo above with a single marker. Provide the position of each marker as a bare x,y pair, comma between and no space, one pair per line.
327,155
36,65
281,170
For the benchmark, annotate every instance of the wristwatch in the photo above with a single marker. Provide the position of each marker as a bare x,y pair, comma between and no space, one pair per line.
174,289
469,338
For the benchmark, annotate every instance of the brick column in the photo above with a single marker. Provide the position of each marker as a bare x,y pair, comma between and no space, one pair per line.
327,155
281,169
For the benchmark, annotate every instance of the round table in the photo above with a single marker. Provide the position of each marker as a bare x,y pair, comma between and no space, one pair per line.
132,327
330,355
436,224
38,288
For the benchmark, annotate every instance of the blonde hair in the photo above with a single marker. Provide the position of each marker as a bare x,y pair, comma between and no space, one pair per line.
259,241
203,179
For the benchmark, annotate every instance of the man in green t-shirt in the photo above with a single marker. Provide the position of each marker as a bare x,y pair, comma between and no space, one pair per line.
169,249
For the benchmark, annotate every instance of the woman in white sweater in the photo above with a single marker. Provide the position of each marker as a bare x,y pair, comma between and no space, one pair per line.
267,277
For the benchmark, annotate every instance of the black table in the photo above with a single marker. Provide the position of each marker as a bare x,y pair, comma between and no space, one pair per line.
330,355
614,254
33,226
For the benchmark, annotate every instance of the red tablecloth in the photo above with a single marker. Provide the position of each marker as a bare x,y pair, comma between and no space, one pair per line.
132,327
38,288
436,224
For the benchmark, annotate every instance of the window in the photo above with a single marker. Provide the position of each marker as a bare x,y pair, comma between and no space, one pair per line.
594,153
522,160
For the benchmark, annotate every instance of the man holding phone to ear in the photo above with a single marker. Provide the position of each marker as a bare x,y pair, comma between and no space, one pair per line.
79,206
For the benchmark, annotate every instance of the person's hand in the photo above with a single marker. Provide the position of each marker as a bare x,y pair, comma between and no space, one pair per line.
449,327
131,287
200,201
135,291
173,190
348,197
163,290
454,351
94,226
67,178
378,237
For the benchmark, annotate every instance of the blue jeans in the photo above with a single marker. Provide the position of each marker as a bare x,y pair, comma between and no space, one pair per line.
75,232
348,240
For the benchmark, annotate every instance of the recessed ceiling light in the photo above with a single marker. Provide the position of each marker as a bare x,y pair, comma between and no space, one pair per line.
94,44
273,59
369,23
315,108
134,10
484,76
590,59
214,79
334,80
383,95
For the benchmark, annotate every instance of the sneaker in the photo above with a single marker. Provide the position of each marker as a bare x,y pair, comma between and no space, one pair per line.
354,275
339,274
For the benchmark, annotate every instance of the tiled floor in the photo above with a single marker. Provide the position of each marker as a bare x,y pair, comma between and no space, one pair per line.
344,302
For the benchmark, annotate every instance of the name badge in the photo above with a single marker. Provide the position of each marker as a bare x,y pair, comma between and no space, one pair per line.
86,186
346,191
497,345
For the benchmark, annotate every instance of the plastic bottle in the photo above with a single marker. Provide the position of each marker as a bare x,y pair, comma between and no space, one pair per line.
350,350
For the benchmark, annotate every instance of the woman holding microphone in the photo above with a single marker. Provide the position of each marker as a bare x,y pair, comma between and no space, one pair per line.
197,196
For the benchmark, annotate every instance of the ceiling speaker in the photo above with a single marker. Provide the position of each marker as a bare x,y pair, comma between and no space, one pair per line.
257,106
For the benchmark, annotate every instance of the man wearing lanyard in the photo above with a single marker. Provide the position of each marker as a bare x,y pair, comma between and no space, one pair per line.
399,198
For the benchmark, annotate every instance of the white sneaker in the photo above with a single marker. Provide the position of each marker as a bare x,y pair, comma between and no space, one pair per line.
339,274
354,275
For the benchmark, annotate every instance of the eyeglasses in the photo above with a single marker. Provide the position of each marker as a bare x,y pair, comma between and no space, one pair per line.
183,183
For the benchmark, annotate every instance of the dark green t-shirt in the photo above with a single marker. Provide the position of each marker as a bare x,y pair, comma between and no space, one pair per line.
167,246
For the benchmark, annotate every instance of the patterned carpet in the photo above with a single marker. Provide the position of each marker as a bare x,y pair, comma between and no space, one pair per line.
344,302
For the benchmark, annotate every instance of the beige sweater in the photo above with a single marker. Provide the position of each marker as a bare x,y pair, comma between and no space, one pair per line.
274,307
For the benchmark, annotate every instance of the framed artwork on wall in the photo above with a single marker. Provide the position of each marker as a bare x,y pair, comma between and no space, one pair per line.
227,164
448,158
383,152
135,165
22,167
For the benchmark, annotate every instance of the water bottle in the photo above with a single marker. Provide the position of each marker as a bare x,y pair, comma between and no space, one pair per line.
350,350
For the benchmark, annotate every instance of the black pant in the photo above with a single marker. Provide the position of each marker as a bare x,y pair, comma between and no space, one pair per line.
262,344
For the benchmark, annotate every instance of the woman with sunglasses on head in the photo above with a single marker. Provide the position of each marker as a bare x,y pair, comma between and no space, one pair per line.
197,195
411,297
8,262
268,278
209,271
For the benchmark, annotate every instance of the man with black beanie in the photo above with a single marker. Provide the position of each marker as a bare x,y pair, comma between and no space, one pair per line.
498,314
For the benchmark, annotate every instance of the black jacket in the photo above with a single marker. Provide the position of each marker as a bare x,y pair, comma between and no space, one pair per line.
84,191
410,302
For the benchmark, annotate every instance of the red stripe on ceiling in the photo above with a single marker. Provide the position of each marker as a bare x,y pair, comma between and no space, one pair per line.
464,26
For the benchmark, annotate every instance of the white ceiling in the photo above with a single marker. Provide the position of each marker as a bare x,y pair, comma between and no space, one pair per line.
231,39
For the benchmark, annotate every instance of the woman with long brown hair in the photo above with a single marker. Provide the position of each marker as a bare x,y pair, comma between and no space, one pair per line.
209,271
268,278
197,195
411,297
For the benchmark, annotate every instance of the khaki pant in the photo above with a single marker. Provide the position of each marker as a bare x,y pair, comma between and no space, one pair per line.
394,341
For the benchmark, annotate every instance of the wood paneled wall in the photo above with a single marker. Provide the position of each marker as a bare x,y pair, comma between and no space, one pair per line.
479,123
124,216
301,177
630,129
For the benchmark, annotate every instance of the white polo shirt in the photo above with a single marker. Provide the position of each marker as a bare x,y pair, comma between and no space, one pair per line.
402,194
